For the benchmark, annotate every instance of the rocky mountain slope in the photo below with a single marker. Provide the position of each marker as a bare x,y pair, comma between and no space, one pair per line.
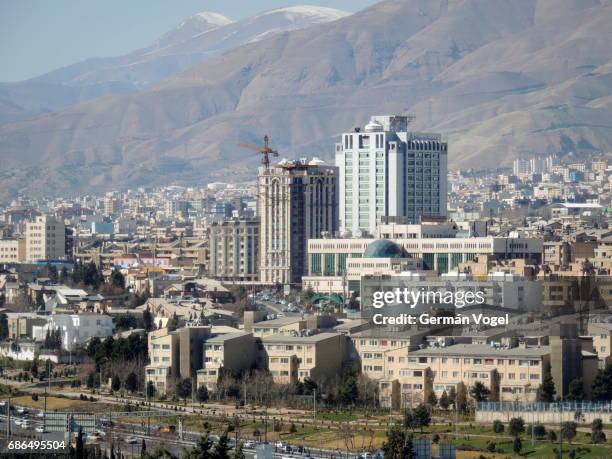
498,78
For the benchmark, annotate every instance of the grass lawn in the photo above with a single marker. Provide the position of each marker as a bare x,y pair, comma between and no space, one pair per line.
58,403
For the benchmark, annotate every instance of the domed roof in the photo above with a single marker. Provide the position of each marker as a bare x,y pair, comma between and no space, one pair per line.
383,248
373,126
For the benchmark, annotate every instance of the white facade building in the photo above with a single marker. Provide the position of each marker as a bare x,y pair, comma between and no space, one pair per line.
386,171
76,329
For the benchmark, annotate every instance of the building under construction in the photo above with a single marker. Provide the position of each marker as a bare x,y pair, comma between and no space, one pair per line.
297,201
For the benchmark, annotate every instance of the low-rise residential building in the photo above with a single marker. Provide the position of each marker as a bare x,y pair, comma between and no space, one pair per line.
227,354
294,358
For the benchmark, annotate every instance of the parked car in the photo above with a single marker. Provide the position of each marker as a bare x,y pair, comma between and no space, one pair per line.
132,440
41,429
249,444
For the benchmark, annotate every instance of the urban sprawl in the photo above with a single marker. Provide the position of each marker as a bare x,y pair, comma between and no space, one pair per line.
259,296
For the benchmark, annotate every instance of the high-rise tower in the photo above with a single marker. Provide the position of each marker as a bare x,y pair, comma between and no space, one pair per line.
387,171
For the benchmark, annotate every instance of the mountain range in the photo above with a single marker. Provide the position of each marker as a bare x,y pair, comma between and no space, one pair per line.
498,78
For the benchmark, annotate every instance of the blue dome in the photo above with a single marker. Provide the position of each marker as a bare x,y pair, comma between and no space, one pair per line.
383,248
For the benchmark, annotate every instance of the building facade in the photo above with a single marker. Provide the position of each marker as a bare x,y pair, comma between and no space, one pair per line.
385,170
297,201
45,239
234,250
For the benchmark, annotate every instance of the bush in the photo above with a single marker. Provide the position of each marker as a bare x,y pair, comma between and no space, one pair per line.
552,436
516,426
490,446
598,437
435,438
538,430
498,426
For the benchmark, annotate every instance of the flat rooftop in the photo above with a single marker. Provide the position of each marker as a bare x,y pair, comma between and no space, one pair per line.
299,339
482,350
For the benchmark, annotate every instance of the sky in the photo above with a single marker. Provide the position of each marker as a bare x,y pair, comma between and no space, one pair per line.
37,36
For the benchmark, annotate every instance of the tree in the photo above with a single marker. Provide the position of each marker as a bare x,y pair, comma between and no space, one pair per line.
517,445
173,323
202,394
117,279
150,389
63,277
348,392
575,390
131,382
143,448
398,444
598,437
183,388
417,418
92,380
538,430
444,401
432,399
479,392
552,436
461,398
221,449
239,451
79,445
498,426
116,383
602,385
309,386
516,426
52,273
568,430
546,392
597,434
4,330
148,320
201,450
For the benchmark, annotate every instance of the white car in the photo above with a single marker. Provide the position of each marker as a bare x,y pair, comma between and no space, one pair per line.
279,444
18,422
249,444
26,424
40,429
132,440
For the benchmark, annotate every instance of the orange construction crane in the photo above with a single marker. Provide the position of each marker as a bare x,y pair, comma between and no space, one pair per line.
266,151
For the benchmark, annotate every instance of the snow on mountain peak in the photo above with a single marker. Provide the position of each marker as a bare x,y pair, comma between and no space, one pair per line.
213,18
320,13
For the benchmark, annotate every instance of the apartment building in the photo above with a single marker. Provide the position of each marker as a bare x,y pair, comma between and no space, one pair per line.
164,353
232,354
602,341
294,358
371,347
297,201
385,170
21,324
12,250
45,239
75,329
234,250
510,374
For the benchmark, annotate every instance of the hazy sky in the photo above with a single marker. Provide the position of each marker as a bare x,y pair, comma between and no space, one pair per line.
40,35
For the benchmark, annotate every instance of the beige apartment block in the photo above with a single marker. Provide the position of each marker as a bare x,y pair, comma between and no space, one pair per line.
12,250
511,374
294,358
45,239
163,371
232,354
602,341
372,346
282,326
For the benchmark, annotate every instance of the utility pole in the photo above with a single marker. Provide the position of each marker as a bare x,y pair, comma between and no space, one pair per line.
314,404
8,419
45,412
